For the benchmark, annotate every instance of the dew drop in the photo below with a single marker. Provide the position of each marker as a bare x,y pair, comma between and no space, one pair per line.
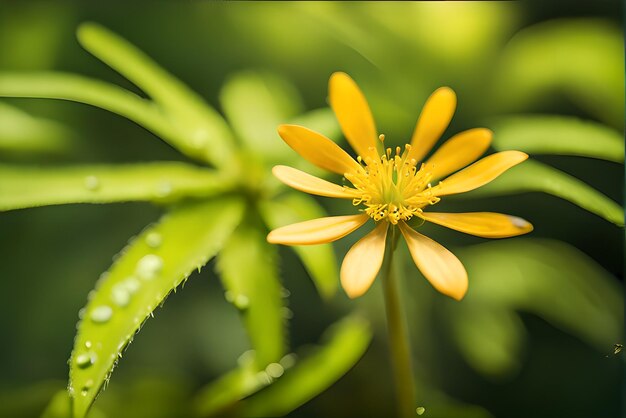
229,296
241,302
274,370
87,344
154,240
420,410
81,313
246,358
285,292
92,183
101,314
164,189
85,360
289,360
120,295
263,378
132,285
149,266
287,313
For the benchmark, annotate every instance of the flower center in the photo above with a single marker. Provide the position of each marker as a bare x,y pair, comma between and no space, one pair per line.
391,186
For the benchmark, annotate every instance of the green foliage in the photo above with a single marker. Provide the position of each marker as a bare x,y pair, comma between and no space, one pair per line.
153,265
191,232
319,260
23,134
581,58
486,326
346,342
201,132
248,270
284,386
255,104
23,187
560,135
533,176
49,85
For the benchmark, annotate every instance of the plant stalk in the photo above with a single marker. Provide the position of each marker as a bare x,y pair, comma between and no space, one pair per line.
400,348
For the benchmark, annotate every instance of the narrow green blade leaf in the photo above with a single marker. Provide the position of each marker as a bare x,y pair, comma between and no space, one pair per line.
346,343
319,260
529,275
247,267
21,133
153,265
201,129
533,176
76,88
583,58
23,186
60,406
558,135
255,104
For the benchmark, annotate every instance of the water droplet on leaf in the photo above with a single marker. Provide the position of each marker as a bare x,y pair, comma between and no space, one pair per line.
289,360
164,189
120,295
149,266
420,410
92,183
85,360
153,239
287,313
132,285
241,302
101,314
285,292
275,370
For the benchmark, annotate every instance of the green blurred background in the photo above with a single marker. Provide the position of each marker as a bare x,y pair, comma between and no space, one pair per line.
548,358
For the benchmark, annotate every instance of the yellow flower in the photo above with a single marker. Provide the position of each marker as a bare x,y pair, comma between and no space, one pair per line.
393,188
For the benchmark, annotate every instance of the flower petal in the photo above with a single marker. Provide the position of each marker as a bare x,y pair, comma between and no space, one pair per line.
482,224
459,151
479,173
362,263
318,149
310,184
317,231
434,119
353,113
442,269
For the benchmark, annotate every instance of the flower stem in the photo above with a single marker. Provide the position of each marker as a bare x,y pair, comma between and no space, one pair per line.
398,334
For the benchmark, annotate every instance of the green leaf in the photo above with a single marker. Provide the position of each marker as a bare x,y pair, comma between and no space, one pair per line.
153,265
319,260
75,88
255,104
496,349
60,406
346,342
24,186
21,133
582,58
548,278
247,267
200,128
558,135
533,176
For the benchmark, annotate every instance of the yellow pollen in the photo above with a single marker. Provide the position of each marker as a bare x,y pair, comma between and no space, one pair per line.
391,187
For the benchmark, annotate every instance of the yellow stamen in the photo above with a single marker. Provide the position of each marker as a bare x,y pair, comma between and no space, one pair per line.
391,187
